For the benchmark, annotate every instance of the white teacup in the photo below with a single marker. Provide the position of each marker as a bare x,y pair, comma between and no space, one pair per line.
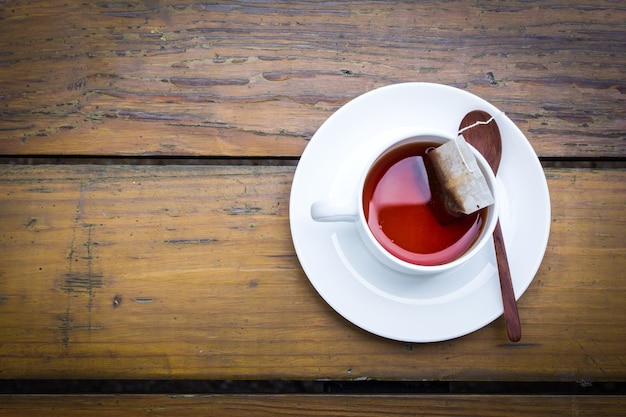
353,209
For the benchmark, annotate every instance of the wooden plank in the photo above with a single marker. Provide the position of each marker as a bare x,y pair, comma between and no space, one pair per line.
312,405
189,272
168,78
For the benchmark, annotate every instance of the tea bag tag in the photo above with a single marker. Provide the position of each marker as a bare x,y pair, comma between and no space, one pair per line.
457,184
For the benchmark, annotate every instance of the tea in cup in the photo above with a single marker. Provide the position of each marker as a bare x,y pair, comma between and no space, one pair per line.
396,212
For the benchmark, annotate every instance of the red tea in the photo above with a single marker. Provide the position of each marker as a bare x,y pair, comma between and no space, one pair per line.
399,209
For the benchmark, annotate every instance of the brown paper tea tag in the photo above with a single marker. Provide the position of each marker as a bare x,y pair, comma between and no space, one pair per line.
457,184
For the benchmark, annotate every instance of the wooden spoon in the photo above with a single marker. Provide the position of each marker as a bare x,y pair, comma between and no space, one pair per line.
487,140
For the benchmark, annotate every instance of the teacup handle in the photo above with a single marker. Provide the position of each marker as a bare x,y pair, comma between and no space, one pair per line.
334,211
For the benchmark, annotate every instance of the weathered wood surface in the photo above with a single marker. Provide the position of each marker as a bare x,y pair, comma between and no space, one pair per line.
239,79
189,272
313,405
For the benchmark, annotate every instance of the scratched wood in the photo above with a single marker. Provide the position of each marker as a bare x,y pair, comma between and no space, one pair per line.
312,405
189,272
240,79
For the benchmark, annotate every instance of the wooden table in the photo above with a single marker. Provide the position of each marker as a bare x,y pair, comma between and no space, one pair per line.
148,150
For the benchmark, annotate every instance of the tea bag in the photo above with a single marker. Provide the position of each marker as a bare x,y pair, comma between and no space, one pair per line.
457,184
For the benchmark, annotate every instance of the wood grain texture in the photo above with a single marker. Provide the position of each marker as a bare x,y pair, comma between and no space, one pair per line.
239,79
189,272
312,405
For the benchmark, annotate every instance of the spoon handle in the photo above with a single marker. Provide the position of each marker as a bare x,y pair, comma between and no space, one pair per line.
511,316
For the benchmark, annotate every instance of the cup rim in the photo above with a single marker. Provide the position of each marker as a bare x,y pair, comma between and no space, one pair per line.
487,229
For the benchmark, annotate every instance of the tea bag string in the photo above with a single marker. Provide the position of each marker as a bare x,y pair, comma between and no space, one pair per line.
458,148
478,123
459,134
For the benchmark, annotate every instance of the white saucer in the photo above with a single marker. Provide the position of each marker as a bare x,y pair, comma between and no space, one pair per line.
376,298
